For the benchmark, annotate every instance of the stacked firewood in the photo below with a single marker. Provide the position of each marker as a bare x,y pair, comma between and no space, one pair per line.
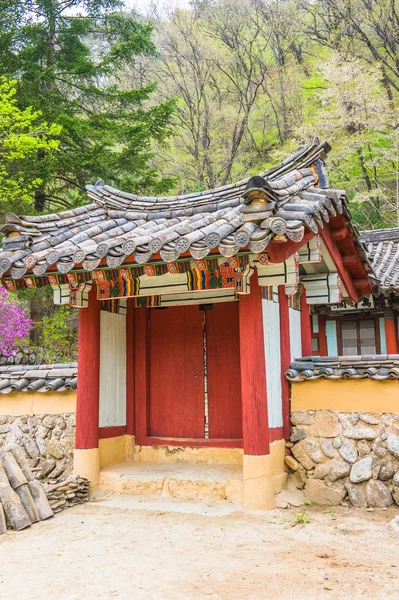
64,494
23,500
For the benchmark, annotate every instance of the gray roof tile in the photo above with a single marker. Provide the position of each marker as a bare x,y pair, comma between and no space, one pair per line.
119,224
310,368
40,378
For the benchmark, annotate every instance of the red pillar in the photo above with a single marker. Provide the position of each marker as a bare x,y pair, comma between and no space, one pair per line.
390,332
130,421
285,357
253,372
87,406
306,329
322,336
141,373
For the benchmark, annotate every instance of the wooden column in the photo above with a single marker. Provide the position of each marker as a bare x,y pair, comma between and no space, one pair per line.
306,326
87,406
253,372
130,417
285,354
390,332
322,336
141,373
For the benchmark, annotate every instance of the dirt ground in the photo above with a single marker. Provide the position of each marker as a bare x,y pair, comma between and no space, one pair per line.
127,548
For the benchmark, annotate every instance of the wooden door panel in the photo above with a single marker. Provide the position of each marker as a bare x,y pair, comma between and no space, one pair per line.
223,371
176,378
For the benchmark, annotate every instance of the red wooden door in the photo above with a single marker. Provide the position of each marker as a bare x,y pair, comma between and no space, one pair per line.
176,373
223,371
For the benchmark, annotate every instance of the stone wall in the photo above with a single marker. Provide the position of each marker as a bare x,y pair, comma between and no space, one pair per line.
24,357
350,458
48,441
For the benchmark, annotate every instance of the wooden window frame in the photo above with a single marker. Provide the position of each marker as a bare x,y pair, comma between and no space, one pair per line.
358,318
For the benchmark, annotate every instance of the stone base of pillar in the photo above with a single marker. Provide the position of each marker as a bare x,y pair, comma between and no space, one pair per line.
258,482
86,463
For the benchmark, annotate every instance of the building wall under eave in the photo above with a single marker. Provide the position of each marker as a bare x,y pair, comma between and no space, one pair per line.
331,335
271,334
112,370
295,333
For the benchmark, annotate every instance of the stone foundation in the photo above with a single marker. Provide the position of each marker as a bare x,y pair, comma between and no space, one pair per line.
337,457
48,441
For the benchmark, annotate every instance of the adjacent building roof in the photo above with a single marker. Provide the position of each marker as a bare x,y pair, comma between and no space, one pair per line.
118,225
38,378
310,368
382,246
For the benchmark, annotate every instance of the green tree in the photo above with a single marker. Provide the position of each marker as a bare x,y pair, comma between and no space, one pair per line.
58,336
68,57
23,134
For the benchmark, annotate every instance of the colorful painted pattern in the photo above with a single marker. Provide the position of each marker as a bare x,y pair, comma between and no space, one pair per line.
148,301
56,279
116,283
209,274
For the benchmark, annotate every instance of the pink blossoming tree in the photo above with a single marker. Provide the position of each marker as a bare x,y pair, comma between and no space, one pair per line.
14,324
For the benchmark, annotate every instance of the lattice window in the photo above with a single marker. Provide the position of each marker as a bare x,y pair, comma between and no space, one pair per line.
358,337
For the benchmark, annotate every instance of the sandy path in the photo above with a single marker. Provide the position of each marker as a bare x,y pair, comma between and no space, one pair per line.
99,551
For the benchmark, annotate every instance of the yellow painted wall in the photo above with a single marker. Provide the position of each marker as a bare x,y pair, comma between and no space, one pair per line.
345,395
116,450
36,403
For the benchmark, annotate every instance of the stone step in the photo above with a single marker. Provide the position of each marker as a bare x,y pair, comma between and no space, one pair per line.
175,480
162,504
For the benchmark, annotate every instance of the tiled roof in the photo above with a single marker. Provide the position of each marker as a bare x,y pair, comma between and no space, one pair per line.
382,247
380,367
38,378
119,224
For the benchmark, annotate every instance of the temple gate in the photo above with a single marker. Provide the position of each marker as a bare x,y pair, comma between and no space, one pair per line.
191,308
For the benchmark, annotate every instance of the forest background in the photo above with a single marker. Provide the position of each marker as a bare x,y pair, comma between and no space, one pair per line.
182,100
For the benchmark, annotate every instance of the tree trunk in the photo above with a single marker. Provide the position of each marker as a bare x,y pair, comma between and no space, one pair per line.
40,200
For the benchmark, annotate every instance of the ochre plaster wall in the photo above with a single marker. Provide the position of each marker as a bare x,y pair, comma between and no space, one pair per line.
35,403
365,395
279,476
116,450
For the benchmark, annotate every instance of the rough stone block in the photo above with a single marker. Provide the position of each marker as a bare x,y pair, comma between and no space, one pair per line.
361,433
361,470
322,470
369,418
378,494
325,425
363,448
339,470
357,494
348,451
302,417
393,444
312,447
298,433
291,462
319,493
302,456
327,448
299,478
